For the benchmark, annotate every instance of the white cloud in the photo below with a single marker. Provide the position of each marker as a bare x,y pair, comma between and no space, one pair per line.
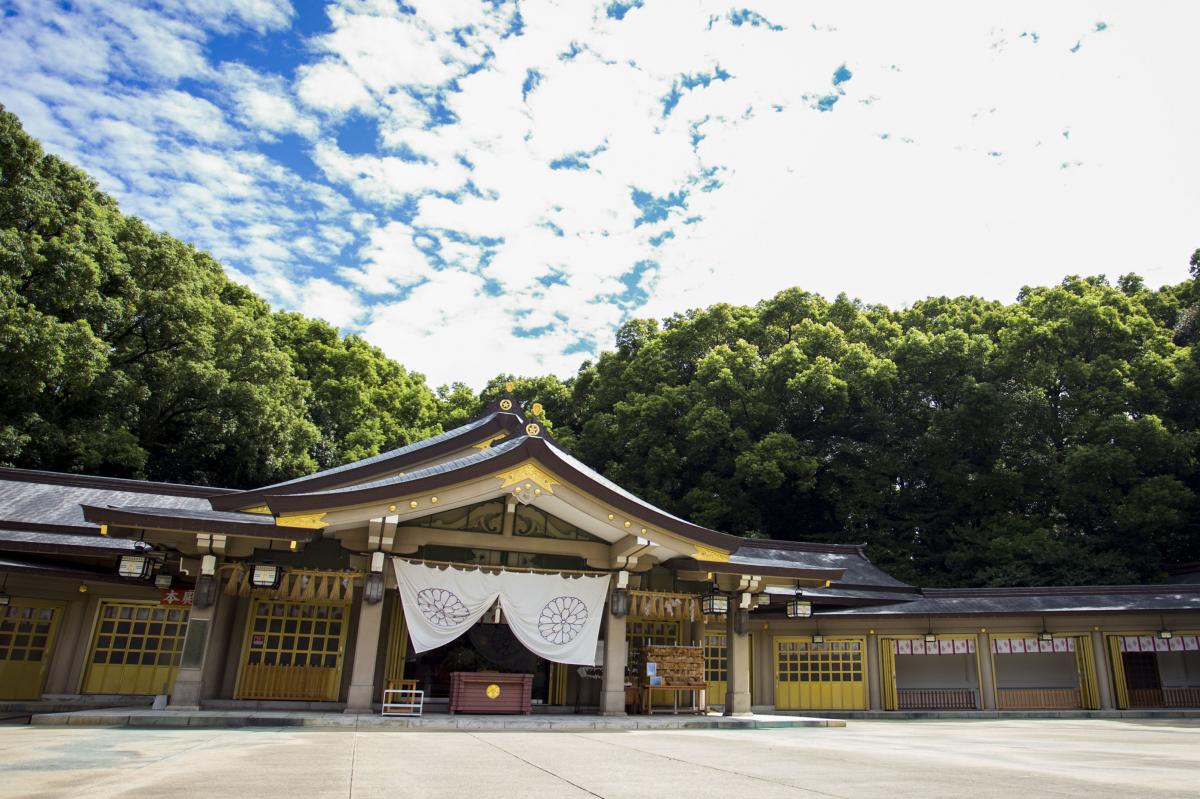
941,166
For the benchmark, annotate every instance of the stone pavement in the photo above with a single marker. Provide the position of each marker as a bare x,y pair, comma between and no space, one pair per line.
979,759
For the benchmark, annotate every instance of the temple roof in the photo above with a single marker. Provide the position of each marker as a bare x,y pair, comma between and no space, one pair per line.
54,500
1048,600
485,463
196,520
492,423
67,544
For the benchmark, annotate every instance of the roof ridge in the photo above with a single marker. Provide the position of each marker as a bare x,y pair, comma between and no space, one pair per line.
124,483
803,546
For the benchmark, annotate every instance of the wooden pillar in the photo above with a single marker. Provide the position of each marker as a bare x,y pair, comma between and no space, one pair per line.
612,693
696,631
189,685
69,648
875,675
737,665
1104,672
987,674
366,650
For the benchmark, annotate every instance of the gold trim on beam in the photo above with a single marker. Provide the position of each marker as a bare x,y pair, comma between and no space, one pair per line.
263,509
484,445
308,521
528,472
710,554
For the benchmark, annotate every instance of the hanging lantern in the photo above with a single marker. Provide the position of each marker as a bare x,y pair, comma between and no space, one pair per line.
135,567
262,576
714,603
930,638
798,607
762,600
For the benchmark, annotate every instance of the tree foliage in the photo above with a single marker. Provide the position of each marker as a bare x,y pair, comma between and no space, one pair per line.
1053,440
968,442
127,352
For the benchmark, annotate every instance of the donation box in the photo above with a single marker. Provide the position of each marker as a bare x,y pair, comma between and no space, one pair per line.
490,692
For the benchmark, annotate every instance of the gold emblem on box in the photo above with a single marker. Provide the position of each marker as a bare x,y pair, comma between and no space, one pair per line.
493,691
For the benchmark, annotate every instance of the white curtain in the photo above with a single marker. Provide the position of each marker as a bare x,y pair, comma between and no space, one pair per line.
441,604
556,617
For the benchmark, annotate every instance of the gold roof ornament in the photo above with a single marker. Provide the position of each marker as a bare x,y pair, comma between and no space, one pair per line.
536,409
533,429
506,404
710,554
510,386
528,472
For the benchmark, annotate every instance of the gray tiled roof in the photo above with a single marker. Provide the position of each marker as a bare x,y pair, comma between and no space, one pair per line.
54,503
202,514
857,570
390,454
31,540
439,468
941,602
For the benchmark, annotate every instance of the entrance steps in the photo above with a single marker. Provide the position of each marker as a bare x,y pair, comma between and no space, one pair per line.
124,717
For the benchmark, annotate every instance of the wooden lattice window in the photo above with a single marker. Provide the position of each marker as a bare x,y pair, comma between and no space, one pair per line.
715,662
25,633
139,635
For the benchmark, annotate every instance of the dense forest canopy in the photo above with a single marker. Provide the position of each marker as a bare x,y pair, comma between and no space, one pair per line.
968,442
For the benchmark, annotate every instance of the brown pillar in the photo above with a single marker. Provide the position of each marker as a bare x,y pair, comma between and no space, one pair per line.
737,665
987,674
366,649
612,693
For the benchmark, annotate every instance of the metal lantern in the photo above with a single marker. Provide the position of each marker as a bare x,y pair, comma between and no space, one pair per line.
618,603
373,589
1166,635
930,638
762,600
162,581
714,603
4,599
135,567
205,593
1045,635
798,607
264,576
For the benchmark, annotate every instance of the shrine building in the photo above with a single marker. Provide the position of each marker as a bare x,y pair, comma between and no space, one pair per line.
488,554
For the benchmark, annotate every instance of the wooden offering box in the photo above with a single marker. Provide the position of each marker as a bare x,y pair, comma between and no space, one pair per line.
490,692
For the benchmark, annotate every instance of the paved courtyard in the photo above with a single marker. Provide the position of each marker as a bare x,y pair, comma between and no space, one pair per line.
1094,758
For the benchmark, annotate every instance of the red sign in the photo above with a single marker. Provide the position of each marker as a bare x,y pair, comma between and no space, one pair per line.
175,596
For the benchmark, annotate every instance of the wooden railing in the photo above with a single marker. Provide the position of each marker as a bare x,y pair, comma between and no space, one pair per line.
937,699
1038,698
307,683
1164,697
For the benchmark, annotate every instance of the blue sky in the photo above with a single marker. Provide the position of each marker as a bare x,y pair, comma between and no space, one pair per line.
485,187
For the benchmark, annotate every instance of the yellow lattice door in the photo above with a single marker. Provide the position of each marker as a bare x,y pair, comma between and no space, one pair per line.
293,651
27,631
135,649
820,676
715,666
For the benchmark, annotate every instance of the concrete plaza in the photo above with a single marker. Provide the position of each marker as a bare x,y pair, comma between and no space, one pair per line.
1024,758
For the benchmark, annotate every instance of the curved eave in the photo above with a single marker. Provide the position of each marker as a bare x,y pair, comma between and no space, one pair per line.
267,530
533,448
797,572
501,421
